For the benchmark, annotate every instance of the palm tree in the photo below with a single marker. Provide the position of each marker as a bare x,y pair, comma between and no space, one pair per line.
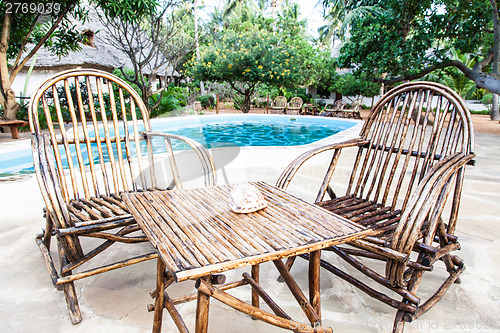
197,40
341,14
238,7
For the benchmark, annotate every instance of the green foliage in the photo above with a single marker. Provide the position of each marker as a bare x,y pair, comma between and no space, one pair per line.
172,99
349,85
250,54
410,36
65,38
128,73
487,100
207,101
128,10
455,79
263,90
253,55
325,71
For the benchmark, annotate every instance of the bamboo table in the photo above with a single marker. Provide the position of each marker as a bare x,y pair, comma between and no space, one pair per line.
197,236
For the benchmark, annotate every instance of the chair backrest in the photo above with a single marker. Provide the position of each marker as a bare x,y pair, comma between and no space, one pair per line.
357,105
101,138
409,129
295,103
339,105
279,102
94,120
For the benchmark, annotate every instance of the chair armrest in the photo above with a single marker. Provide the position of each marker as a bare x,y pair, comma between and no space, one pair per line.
203,154
427,203
288,173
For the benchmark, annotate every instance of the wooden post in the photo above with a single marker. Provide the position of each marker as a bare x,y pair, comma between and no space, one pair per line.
202,307
160,297
217,104
314,281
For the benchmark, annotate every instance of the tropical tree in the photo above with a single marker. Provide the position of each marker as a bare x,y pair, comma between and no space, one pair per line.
154,46
455,79
249,55
349,85
340,15
27,26
412,38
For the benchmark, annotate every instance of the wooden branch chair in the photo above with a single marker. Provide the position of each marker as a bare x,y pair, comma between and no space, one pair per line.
279,105
99,145
335,109
294,106
411,156
354,110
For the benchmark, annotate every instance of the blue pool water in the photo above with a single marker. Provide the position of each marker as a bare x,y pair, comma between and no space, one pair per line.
214,131
254,130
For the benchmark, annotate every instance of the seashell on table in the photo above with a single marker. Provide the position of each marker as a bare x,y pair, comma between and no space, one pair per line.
246,198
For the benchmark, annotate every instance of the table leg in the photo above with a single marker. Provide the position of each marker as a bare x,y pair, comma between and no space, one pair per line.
314,281
14,132
202,307
255,294
309,311
160,297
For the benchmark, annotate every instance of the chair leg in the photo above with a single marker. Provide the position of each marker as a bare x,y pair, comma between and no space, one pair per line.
47,235
72,302
70,291
399,323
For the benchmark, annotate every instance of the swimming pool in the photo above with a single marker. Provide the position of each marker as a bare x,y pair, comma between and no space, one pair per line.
239,130
253,130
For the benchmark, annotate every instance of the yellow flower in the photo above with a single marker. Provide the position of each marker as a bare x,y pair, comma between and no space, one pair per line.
260,67
247,70
230,66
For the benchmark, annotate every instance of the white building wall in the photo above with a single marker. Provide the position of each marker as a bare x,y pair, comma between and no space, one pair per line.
36,78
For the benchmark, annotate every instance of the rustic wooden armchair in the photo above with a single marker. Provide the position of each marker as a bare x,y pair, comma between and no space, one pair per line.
334,109
294,106
279,105
411,156
99,145
354,110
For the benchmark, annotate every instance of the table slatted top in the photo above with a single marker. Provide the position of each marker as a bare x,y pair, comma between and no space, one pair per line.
196,233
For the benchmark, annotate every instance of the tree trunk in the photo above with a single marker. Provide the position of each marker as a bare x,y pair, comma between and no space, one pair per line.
496,58
197,40
10,106
247,102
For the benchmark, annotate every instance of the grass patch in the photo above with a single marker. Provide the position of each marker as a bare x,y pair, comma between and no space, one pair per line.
480,112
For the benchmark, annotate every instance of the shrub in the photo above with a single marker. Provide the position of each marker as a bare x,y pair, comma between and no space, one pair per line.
207,101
